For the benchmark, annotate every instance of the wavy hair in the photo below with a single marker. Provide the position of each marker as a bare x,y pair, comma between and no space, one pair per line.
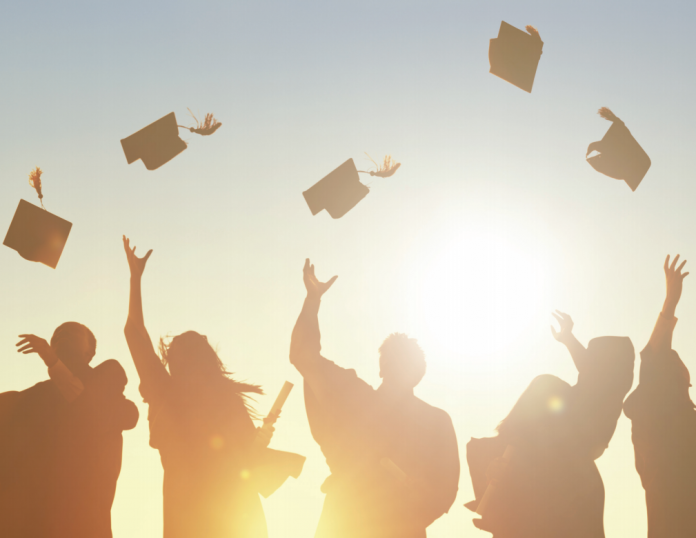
193,357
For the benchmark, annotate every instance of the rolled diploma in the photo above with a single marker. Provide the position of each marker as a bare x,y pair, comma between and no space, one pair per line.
491,489
278,404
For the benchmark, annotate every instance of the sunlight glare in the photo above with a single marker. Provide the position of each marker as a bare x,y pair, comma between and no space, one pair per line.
477,295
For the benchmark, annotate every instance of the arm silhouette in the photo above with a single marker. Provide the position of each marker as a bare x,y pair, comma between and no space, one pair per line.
661,338
305,345
146,361
68,384
566,337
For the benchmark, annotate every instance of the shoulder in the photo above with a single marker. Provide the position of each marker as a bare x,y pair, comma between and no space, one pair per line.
343,376
435,417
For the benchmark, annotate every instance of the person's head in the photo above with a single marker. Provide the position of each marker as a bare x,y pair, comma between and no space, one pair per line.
190,357
401,361
74,344
538,409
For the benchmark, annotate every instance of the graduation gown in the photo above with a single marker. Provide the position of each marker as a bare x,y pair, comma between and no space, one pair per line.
356,428
60,460
552,487
212,478
664,441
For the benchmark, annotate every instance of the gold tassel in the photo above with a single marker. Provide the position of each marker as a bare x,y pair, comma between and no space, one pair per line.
35,182
386,169
208,127
607,114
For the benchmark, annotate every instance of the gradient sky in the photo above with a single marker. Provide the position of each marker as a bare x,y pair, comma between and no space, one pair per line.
493,220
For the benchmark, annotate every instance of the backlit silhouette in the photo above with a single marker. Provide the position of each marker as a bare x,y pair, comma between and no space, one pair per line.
664,424
514,55
60,455
540,468
341,190
393,458
620,156
36,234
159,142
201,423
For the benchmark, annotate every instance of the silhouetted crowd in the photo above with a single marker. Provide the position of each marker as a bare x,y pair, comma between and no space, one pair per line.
393,459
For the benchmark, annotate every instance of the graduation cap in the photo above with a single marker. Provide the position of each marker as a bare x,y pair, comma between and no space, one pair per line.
620,155
159,142
36,234
341,190
514,55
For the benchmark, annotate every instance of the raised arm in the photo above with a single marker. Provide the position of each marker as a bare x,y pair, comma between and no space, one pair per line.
566,337
68,383
146,361
661,338
305,344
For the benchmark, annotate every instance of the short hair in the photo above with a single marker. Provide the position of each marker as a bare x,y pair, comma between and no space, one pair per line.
66,330
400,357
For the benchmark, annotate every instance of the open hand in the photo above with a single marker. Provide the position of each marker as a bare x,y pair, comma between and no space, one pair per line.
30,343
137,265
315,288
565,323
675,279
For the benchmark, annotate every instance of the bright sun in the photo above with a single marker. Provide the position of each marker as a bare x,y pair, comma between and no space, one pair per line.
478,294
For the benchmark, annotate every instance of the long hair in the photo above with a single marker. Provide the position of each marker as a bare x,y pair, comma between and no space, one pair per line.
189,356
539,407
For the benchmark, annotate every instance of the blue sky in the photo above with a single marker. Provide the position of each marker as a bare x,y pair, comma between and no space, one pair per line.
493,220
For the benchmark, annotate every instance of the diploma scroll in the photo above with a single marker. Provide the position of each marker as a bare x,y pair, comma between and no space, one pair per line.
275,409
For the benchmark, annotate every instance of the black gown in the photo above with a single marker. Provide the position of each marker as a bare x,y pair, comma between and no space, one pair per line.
664,441
357,427
60,460
552,487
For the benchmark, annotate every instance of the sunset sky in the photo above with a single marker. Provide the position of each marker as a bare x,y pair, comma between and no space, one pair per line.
493,220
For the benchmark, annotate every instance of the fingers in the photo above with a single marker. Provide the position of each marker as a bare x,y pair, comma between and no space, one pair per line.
147,255
330,282
685,275
557,316
681,266
674,263
667,263
306,265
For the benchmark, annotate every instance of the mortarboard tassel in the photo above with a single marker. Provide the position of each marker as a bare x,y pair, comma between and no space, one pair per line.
35,182
533,32
607,114
386,169
208,127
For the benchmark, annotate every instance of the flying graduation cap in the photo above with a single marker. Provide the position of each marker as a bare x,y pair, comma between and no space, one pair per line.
341,190
159,142
514,55
620,156
36,234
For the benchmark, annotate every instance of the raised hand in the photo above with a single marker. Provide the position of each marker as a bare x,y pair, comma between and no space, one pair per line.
315,289
565,323
137,265
264,436
675,279
30,343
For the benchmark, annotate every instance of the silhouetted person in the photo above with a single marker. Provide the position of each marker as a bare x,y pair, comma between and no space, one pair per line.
358,428
540,468
61,441
664,425
201,423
